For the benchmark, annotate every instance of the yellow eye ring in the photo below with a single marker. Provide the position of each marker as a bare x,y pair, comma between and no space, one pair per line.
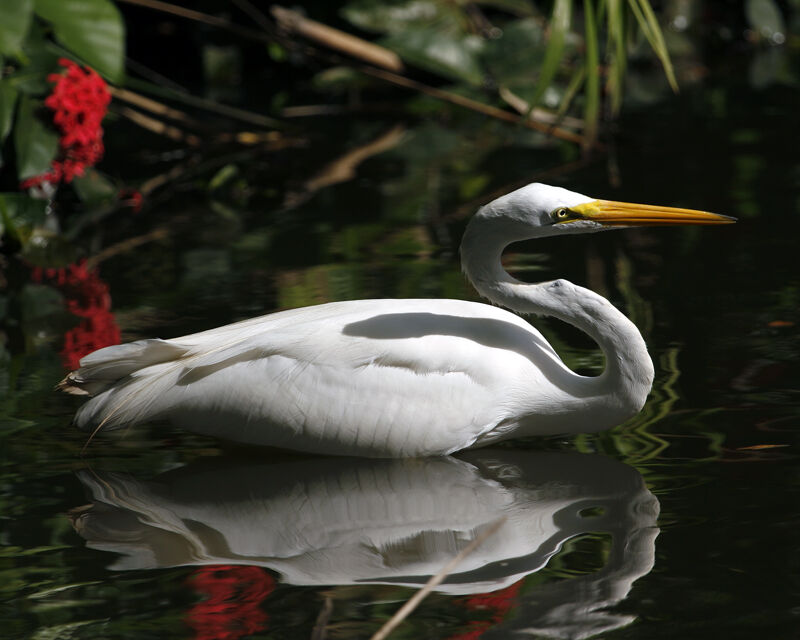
562,214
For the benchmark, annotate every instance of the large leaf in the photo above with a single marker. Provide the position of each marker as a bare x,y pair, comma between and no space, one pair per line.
92,29
447,54
34,143
765,18
398,16
41,59
93,189
516,55
19,215
8,99
16,19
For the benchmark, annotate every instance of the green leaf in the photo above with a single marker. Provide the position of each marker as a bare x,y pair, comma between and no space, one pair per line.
8,100
93,189
222,176
41,60
616,53
450,55
20,214
407,15
92,29
765,17
591,109
34,142
516,55
648,23
559,27
14,25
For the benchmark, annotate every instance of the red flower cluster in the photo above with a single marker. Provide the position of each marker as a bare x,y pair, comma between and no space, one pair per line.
79,101
86,297
232,608
498,602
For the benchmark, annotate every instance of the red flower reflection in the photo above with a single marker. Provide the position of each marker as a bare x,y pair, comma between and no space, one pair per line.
87,297
132,198
499,603
232,606
79,101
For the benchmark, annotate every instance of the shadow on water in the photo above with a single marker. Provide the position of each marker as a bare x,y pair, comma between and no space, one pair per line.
321,521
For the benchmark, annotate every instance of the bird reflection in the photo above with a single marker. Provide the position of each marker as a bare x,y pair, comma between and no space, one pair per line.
323,521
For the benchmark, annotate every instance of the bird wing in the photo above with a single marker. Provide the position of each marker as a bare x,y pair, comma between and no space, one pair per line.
380,377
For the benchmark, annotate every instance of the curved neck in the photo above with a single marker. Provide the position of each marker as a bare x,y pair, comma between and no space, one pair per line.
628,374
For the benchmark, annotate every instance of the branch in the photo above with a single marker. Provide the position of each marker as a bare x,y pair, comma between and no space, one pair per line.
419,596
359,48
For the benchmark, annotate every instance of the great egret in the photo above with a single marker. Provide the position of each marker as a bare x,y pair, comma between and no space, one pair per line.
317,521
399,378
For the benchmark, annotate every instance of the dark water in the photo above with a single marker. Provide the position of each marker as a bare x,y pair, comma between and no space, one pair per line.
681,523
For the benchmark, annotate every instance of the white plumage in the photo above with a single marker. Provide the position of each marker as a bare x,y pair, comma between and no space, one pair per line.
396,378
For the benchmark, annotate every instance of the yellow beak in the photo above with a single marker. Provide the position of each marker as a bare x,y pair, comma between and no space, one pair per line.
613,213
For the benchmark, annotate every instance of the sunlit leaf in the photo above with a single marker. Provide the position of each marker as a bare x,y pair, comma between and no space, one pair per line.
19,214
34,142
14,24
92,29
765,17
591,109
397,17
560,21
454,56
648,23
226,173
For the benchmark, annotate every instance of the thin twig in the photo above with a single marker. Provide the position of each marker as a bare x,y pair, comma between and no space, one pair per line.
344,167
158,127
382,74
216,107
152,105
468,103
521,106
129,244
205,18
435,580
254,14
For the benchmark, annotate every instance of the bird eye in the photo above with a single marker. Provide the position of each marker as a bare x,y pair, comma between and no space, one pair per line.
561,214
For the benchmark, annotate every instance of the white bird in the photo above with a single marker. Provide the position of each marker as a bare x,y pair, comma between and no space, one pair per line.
317,521
399,378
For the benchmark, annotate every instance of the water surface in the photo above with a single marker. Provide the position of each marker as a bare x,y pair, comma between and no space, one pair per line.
681,523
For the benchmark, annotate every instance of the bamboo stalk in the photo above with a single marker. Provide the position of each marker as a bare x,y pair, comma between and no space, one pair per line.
336,39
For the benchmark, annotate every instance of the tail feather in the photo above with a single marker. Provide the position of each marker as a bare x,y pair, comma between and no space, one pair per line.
103,368
117,378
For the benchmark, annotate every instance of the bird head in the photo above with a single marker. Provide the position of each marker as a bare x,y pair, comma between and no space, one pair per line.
546,210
